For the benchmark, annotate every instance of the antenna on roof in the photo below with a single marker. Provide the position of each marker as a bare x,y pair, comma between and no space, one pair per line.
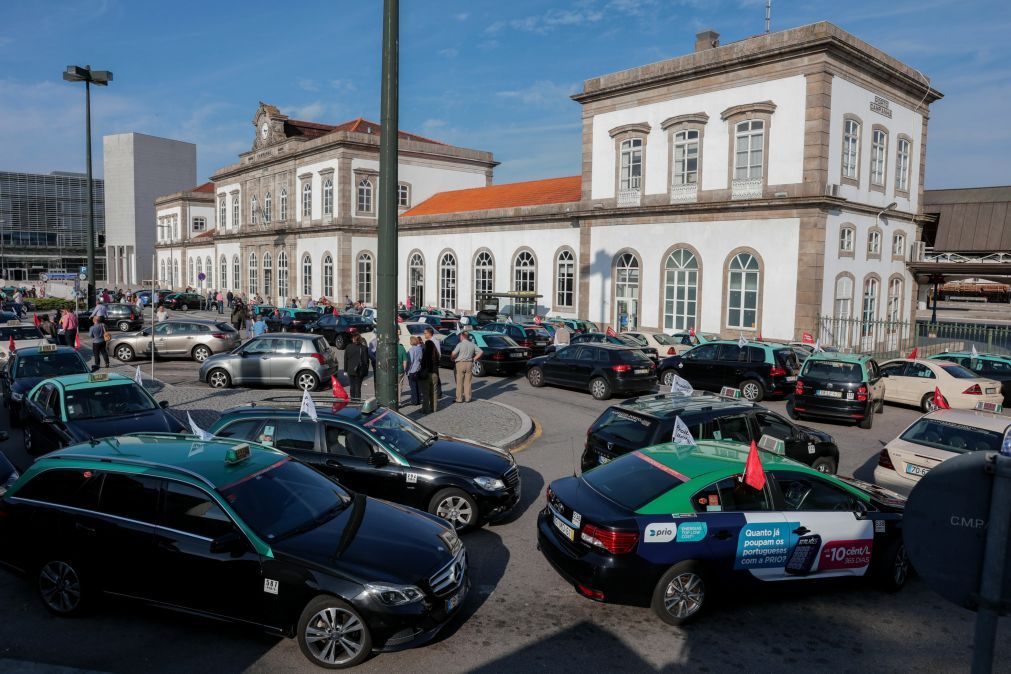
768,16
572,451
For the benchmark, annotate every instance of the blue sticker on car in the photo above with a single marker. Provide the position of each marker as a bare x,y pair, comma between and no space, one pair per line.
692,532
763,545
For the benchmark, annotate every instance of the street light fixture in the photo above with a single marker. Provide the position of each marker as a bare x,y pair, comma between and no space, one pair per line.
885,210
101,78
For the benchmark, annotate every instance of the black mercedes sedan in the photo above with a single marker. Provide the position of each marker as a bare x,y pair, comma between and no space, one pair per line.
30,365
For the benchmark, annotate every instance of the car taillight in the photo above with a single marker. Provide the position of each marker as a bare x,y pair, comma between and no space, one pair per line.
548,494
621,368
671,351
219,335
800,387
590,593
777,372
528,343
885,460
862,393
615,542
319,357
973,390
352,330
498,356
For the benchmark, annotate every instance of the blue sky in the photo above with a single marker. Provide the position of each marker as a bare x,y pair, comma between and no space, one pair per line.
490,75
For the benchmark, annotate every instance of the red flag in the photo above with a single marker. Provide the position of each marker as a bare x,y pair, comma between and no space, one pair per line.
537,320
10,345
335,310
611,332
939,400
35,320
912,354
691,331
337,389
77,341
754,474
759,335
807,338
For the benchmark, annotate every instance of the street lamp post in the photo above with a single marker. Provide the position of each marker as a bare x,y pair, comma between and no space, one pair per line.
101,78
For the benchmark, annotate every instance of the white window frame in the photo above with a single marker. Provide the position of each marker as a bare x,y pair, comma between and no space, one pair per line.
869,305
737,298
681,290
268,275
283,206
404,195
565,279
751,134
266,208
874,243
630,163
843,305
846,239
327,276
365,267
307,199
447,281
687,149
307,275
223,213
236,273
524,280
282,277
235,212
879,150
894,307
328,196
223,272
899,245
903,152
365,201
251,277
851,149
253,208
484,276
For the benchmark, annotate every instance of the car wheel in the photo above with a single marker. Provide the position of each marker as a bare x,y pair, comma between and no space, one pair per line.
478,369
751,390
824,464
306,381
927,403
124,353
535,376
201,353
219,379
680,595
891,571
881,406
341,342
26,435
123,326
868,419
456,507
667,378
600,389
790,412
184,307
61,588
331,634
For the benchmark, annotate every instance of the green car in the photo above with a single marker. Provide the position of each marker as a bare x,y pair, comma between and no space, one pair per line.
668,525
986,365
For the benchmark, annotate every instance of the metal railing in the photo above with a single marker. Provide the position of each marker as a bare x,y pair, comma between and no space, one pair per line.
894,339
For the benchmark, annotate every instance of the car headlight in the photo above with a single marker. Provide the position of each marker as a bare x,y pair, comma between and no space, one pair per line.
395,595
489,483
17,396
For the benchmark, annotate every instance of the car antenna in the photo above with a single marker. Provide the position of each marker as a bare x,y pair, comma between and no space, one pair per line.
572,451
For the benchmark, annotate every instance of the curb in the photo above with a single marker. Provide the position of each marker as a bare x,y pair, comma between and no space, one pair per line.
517,438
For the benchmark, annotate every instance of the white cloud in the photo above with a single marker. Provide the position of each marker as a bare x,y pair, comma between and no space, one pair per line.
309,112
462,16
308,85
449,52
342,85
541,93
549,21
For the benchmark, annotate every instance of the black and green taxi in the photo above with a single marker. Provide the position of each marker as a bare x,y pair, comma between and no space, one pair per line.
842,386
29,365
236,531
377,451
667,525
66,410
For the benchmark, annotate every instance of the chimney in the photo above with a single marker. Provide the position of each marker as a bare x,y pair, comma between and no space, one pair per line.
706,40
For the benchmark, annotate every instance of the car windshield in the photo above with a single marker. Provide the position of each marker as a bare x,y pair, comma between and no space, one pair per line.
416,328
20,332
833,370
49,365
959,372
498,341
639,340
666,340
952,437
631,430
398,432
633,480
108,401
285,499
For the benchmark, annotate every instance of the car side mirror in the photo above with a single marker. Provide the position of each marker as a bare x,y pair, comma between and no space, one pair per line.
379,459
163,404
884,374
233,542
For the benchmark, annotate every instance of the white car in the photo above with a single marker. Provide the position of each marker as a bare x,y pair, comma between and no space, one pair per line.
935,437
665,345
24,334
408,328
912,382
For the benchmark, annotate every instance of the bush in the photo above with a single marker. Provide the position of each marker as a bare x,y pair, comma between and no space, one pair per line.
51,303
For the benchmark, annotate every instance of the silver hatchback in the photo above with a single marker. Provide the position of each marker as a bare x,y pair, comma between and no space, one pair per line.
193,338
286,359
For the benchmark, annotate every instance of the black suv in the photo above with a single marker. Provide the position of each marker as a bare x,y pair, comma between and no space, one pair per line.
121,316
839,386
338,330
649,420
185,301
385,455
603,369
531,337
620,340
758,369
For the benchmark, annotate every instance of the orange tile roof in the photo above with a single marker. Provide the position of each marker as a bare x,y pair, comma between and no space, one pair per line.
310,130
205,235
206,187
511,195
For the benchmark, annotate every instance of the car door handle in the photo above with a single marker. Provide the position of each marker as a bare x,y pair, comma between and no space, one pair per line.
84,529
332,463
722,535
800,531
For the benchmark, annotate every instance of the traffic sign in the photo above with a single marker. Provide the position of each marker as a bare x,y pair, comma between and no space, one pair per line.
83,270
82,276
43,277
201,276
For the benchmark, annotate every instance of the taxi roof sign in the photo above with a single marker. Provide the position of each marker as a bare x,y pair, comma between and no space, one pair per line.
98,376
47,348
237,454
13,322
730,392
996,408
369,406
771,444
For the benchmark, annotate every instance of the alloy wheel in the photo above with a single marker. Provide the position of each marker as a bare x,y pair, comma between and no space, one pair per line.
124,353
27,435
901,568
218,379
306,382
201,353
668,377
60,587
455,510
750,391
597,388
334,636
684,595
124,326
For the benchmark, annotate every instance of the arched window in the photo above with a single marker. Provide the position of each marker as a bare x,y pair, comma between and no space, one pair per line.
525,280
851,149
327,275
268,276
416,280
626,291
484,277
899,245
307,275
365,196
223,272
236,280
209,270
686,157
843,297
161,272
282,278
681,290
235,212
253,208
253,289
365,278
631,164
869,312
328,197
284,204
565,279
749,149
223,213
307,200
192,278
175,273
902,165
874,243
743,278
447,281
894,300
846,235
266,208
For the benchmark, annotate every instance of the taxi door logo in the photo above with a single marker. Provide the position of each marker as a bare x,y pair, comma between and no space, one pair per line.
845,555
660,532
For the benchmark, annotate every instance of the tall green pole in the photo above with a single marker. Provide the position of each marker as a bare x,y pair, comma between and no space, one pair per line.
90,243
386,352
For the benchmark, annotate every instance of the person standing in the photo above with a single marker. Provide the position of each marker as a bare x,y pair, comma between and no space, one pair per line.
356,364
414,369
69,325
18,302
99,342
259,327
162,315
563,336
50,329
238,316
464,355
429,373
220,299
402,364
230,297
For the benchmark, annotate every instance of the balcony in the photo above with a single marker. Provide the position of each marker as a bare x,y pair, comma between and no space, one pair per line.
630,197
684,194
746,188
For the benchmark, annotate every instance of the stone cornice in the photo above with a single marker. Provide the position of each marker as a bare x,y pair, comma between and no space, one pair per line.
700,118
767,107
635,127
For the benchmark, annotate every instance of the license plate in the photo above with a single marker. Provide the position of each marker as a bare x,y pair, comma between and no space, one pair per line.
515,355
568,531
541,343
991,391
455,600
829,394
601,459
794,378
642,370
918,471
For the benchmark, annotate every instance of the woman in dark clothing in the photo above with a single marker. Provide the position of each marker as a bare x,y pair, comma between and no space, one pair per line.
51,328
356,364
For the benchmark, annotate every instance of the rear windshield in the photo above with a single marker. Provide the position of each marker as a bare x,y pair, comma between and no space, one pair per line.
638,339
959,372
833,370
50,365
20,332
664,339
224,327
416,329
952,437
632,480
631,430
537,332
499,341
321,345
787,358
305,316
629,356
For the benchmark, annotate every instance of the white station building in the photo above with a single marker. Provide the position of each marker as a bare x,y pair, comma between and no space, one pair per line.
747,188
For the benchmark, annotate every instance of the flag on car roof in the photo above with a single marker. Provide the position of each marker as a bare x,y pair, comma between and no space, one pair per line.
680,385
742,342
77,341
807,338
11,348
817,346
35,320
975,353
939,400
682,436
691,331
197,431
914,353
611,332
338,390
754,474
537,319
137,377
308,407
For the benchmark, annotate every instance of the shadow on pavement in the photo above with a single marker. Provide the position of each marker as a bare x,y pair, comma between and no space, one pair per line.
532,485
487,557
